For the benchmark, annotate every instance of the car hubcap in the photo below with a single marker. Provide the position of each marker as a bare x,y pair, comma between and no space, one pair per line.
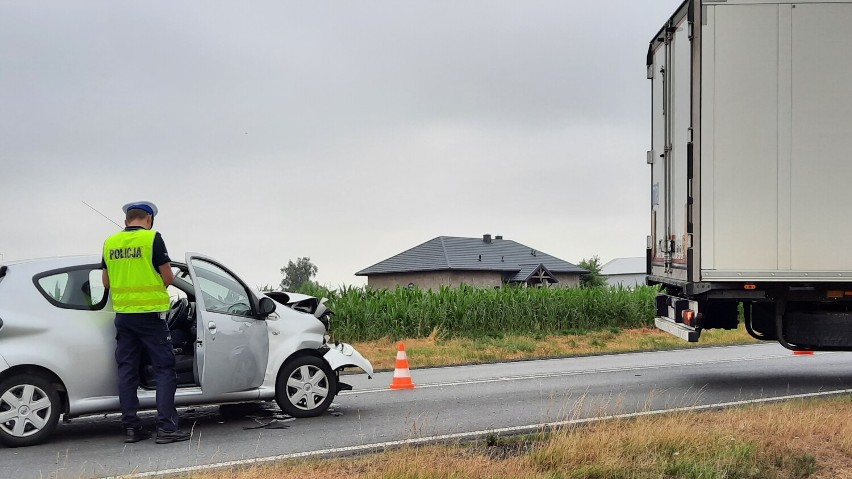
24,410
307,387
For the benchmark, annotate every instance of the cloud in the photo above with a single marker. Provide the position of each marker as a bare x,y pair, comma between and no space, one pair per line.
344,131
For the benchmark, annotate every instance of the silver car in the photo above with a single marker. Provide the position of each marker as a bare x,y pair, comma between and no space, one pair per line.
232,344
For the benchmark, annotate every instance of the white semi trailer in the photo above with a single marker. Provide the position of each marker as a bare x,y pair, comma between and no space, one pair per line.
751,170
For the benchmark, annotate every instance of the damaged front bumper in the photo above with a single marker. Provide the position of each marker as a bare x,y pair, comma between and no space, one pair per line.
342,355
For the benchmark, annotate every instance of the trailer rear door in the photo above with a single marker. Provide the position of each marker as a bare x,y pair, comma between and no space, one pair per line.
670,69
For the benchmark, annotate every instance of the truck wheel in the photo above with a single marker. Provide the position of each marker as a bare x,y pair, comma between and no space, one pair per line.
29,410
305,386
818,329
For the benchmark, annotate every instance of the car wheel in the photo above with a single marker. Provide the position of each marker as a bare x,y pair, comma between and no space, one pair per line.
305,387
29,410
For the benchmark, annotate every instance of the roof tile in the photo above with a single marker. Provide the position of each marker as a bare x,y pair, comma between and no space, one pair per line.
469,254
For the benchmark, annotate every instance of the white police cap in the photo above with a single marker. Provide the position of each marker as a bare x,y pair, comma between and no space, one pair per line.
147,206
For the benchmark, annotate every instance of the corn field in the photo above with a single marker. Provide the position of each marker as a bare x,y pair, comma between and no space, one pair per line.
364,314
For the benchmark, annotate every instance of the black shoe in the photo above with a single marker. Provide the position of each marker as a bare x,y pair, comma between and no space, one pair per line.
166,437
135,434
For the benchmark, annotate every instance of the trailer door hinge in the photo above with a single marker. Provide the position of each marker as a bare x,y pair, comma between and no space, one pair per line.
650,157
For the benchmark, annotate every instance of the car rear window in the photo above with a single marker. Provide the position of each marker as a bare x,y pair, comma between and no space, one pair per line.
73,288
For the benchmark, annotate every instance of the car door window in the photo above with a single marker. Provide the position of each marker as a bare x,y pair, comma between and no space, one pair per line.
73,288
221,291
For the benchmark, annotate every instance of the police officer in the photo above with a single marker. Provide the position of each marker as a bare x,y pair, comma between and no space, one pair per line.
137,270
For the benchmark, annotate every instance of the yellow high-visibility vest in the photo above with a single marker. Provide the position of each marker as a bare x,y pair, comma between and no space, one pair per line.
135,285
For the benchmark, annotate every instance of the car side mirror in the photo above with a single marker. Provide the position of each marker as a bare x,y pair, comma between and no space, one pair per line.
266,306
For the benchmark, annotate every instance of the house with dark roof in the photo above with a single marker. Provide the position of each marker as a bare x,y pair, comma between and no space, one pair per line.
483,262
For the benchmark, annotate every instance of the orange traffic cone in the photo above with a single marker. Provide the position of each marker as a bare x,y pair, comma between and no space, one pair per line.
797,352
401,375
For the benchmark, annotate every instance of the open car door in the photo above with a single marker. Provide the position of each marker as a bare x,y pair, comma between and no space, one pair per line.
233,346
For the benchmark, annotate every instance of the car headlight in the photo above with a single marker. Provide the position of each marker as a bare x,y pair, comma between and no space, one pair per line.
325,319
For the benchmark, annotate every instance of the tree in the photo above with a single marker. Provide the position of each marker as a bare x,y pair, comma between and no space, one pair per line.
298,273
593,278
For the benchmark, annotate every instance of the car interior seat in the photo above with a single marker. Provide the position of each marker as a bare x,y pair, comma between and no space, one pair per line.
181,322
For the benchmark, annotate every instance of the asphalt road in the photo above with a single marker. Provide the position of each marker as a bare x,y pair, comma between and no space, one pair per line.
463,401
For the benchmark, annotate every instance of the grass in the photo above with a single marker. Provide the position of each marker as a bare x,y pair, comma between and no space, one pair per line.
437,350
793,440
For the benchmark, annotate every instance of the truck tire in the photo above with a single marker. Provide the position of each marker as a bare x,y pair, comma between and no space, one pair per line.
818,329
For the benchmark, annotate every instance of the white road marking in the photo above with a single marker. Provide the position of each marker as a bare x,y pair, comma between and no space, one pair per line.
473,434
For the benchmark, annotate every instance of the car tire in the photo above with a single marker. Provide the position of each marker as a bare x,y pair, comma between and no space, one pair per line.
305,387
29,410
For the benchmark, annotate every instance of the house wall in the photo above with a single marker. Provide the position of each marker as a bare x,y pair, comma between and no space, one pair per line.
566,280
434,279
626,280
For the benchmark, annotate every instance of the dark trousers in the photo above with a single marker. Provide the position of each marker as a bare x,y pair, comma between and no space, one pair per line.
138,333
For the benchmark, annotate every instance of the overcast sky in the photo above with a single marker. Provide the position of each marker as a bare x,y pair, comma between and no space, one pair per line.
346,131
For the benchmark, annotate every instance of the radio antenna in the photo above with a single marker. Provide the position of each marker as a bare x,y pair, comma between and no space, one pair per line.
105,216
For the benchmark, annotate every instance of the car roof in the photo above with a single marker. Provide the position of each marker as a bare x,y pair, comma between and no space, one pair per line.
54,262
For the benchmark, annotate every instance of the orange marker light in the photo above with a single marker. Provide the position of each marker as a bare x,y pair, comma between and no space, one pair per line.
688,316
750,286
